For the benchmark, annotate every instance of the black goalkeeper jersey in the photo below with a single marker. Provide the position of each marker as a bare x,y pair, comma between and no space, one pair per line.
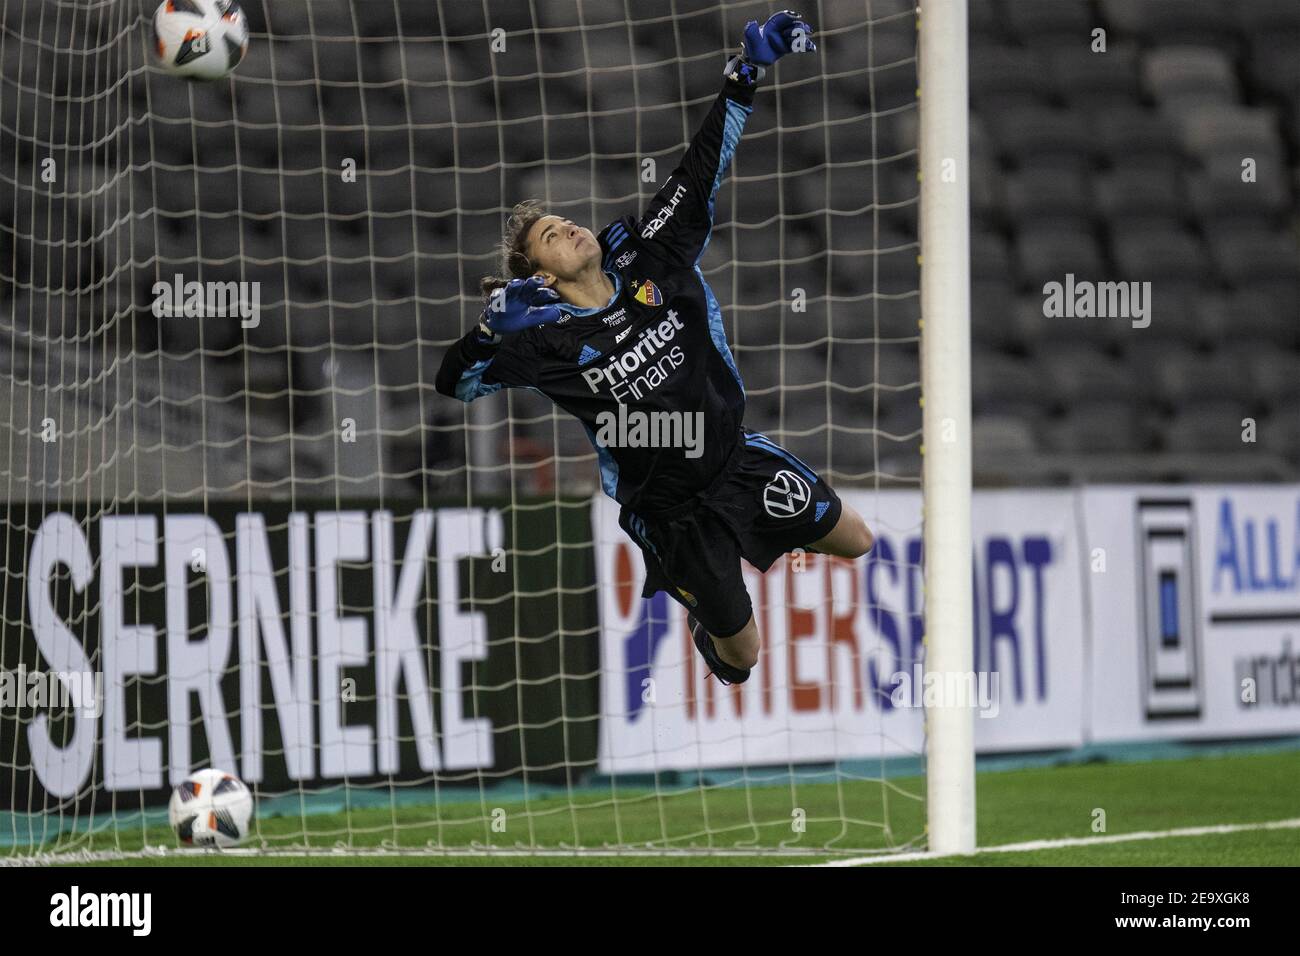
658,345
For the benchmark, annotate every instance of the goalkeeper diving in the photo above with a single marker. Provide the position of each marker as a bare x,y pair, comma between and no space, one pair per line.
623,321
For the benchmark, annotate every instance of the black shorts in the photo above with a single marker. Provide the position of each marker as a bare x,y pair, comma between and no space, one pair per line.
764,503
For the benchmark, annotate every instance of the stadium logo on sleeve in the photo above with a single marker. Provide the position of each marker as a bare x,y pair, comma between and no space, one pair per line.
647,293
665,213
786,495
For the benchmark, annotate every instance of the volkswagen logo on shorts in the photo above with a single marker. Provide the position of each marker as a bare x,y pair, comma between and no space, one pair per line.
786,495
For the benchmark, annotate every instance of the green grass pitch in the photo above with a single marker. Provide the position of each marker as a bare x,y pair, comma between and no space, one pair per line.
757,825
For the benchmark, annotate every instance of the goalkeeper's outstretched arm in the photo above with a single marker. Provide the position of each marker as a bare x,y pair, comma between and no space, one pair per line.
497,352
502,351
677,222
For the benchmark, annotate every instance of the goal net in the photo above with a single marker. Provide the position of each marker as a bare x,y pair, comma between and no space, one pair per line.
242,530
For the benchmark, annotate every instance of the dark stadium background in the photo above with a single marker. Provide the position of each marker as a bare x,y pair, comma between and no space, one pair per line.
1120,166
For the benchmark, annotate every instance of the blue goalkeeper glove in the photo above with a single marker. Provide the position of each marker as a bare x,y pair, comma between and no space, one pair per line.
784,32
521,304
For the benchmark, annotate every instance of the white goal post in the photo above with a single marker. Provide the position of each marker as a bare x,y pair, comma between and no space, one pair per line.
946,416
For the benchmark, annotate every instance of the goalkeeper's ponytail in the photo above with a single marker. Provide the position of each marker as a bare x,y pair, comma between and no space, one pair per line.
515,263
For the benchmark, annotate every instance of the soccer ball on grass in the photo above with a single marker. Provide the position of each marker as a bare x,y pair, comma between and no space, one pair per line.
211,808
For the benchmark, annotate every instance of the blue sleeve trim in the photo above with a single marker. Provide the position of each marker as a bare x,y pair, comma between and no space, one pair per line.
471,384
732,129
608,466
755,440
716,331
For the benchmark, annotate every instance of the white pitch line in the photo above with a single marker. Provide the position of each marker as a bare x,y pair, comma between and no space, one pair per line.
98,856
1032,845
479,853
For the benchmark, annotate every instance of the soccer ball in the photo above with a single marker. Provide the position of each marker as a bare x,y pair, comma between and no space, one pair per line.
211,808
200,39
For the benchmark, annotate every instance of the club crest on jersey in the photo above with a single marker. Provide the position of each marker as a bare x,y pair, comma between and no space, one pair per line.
786,495
647,293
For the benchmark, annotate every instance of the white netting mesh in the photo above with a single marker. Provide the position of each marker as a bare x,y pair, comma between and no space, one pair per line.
355,172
